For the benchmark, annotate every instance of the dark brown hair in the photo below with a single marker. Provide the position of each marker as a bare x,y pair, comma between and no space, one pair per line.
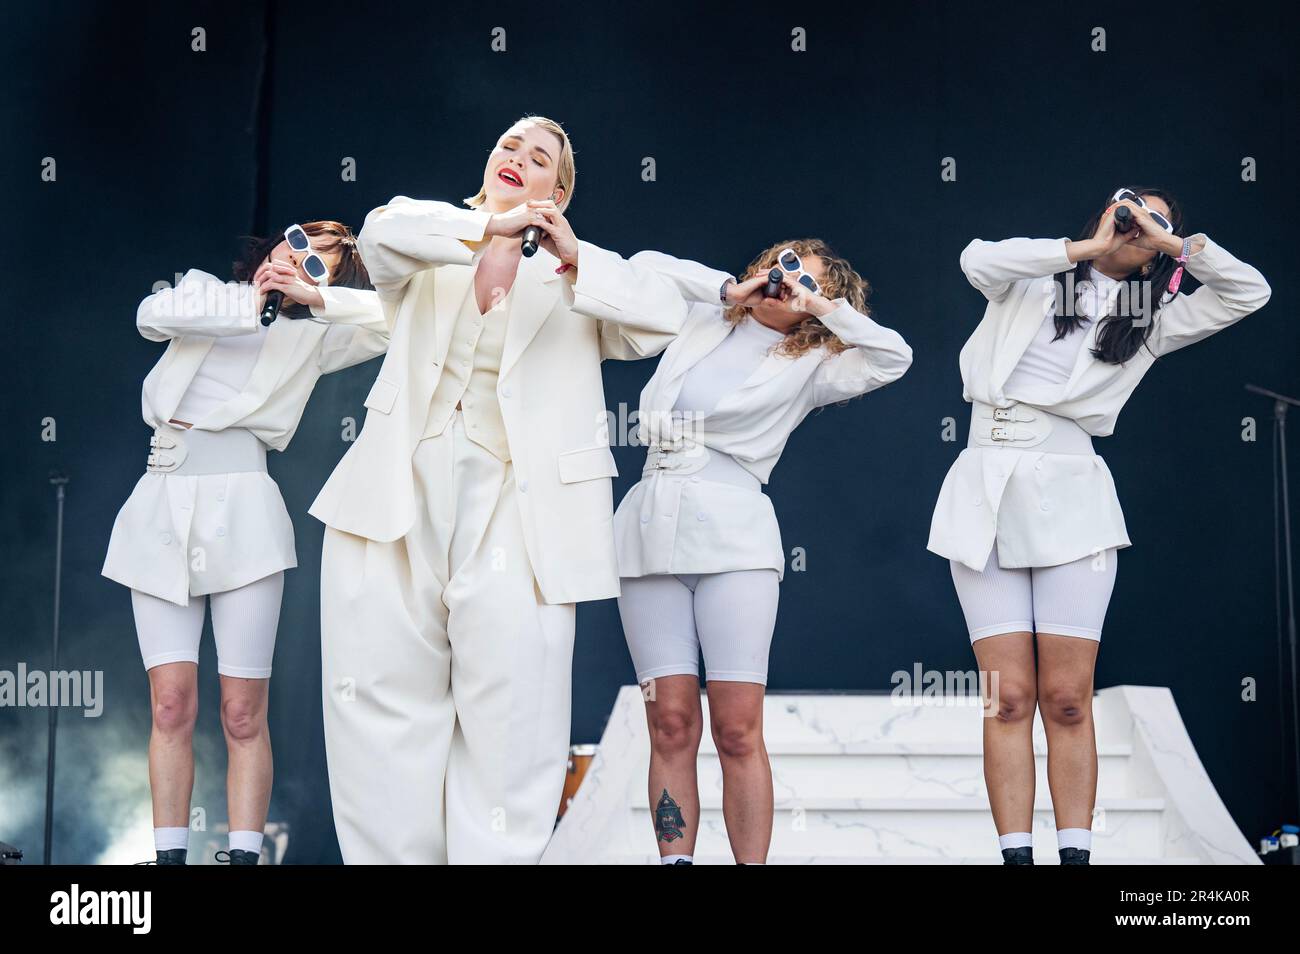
348,272
1119,337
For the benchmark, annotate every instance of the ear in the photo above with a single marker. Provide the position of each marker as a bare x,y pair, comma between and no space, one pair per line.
558,195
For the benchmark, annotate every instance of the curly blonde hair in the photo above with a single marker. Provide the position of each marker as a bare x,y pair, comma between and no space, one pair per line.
839,281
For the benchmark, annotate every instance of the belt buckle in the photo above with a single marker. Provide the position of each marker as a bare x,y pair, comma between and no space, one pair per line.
1000,434
1003,414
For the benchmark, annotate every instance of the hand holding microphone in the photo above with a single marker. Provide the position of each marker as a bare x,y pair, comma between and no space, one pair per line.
535,221
279,279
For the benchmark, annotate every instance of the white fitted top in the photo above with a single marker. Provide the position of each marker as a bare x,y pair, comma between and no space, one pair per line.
225,370
719,373
727,366
1046,366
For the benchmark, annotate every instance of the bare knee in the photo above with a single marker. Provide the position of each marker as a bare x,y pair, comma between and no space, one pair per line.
737,738
1014,703
1066,704
675,729
175,709
243,719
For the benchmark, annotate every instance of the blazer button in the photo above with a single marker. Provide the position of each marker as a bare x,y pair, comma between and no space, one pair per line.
505,392
221,531
976,501
165,537
645,518
701,516
695,480
221,496
1043,506
523,486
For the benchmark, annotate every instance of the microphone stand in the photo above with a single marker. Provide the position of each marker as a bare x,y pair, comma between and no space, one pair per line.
58,481
1282,563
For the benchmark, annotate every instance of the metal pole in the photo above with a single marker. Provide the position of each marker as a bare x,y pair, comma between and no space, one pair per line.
58,481
1282,565
1279,412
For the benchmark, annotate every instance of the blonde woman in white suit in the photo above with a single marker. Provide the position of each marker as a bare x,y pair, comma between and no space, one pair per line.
699,548
473,513
206,523
1028,516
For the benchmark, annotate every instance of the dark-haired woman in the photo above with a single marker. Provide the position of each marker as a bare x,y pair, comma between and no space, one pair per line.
699,549
206,523
1028,516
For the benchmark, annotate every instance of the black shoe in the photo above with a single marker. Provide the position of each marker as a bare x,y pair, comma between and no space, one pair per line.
172,856
237,856
683,861
1023,855
1074,856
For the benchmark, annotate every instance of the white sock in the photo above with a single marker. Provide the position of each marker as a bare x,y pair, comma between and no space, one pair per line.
1015,839
1074,838
246,841
673,859
168,839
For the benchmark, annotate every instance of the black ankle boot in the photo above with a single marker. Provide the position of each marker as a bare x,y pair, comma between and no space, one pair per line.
1018,856
172,856
238,857
1074,856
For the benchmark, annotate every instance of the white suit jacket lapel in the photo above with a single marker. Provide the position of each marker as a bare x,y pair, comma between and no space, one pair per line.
533,296
184,355
451,283
1015,336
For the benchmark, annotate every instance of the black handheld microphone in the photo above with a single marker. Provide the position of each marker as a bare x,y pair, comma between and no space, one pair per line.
532,236
773,287
1123,219
272,307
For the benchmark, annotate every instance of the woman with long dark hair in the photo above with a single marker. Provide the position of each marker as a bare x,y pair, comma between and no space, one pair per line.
1028,515
206,523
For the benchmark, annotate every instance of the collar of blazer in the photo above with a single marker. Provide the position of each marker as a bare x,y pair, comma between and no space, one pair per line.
701,337
533,295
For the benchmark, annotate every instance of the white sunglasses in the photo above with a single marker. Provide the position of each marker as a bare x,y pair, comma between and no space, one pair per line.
792,264
312,263
1131,196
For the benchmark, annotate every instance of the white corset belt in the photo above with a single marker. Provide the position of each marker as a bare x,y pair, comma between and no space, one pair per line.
186,451
685,458
1023,426
695,510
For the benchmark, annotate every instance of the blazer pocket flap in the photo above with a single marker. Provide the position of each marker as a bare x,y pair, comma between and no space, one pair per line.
587,463
381,396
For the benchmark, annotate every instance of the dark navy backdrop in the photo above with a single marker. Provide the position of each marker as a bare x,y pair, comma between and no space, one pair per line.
156,173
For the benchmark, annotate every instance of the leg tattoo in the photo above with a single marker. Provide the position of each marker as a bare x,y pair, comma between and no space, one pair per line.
668,819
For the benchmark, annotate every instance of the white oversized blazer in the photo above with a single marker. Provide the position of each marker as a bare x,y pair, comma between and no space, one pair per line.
1046,509
549,386
239,519
722,527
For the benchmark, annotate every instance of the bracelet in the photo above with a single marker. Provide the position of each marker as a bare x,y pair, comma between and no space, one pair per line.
722,292
1177,278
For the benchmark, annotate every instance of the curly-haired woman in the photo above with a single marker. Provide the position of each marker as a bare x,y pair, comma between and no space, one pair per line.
699,548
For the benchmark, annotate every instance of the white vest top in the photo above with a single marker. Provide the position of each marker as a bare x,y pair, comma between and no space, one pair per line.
469,375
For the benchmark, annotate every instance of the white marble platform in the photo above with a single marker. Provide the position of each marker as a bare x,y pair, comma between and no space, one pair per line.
878,779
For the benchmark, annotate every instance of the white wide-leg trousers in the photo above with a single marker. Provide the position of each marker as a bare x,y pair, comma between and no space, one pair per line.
446,678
